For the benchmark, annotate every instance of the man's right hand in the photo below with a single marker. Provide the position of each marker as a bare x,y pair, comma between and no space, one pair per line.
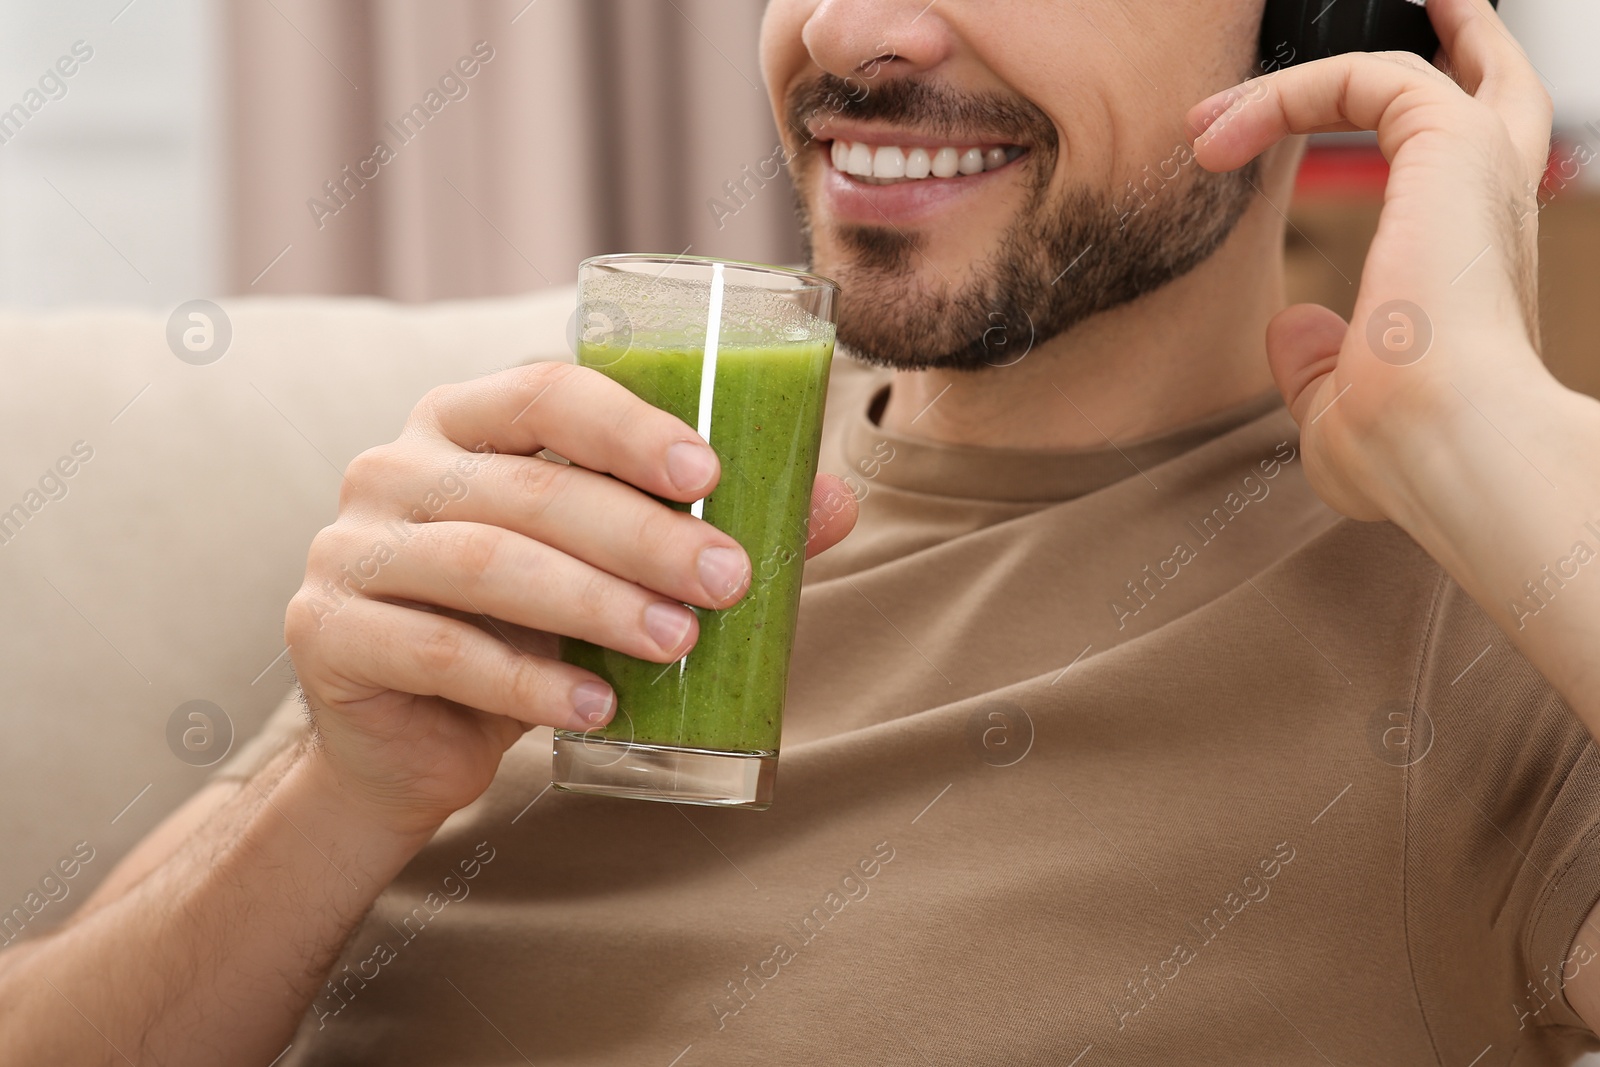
424,635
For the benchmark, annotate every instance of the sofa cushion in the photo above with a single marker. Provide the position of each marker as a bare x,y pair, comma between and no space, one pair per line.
156,572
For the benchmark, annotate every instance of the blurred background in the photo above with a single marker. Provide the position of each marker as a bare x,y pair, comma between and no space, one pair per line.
187,156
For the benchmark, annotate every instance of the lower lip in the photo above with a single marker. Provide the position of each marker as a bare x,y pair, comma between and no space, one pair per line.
905,202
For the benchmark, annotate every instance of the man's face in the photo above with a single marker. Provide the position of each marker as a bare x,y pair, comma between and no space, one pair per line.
1058,182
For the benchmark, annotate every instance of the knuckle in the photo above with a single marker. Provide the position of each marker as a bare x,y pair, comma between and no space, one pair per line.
1409,60
630,424
1546,103
597,597
524,686
671,540
301,619
542,372
363,474
534,380
442,651
308,616
476,548
536,481
327,550
425,410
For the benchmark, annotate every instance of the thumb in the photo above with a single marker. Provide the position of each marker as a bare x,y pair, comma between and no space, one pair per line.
833,513
1303,344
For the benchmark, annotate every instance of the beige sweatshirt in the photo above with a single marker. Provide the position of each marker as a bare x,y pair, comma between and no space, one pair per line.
1132,755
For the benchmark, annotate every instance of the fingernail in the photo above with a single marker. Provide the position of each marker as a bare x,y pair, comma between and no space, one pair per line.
592,703
1213,108
722,571
690,465
667,624
1197,130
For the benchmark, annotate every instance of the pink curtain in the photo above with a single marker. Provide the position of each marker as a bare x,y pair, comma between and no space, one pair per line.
421,150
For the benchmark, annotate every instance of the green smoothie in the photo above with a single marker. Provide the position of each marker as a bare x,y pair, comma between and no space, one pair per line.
727,694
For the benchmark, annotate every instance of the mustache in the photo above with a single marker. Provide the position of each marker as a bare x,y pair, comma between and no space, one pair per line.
929,106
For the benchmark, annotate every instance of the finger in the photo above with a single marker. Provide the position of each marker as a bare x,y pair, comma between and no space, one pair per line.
521,638
1479,45
1303,345
595,518
1492,66
491,571
498,729
580,414
833,514
381,646
411,478
1357,91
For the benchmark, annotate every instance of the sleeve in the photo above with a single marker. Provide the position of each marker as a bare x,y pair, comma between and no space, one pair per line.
1565,900
287,725
1502,834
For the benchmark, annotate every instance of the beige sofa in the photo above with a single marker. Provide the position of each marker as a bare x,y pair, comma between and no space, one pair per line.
165,512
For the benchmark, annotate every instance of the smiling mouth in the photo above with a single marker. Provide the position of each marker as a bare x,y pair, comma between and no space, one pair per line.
893,165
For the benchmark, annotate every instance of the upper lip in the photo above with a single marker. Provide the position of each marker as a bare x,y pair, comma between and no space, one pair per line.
835,129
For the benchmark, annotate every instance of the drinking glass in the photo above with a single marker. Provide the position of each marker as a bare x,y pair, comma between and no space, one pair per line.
740,352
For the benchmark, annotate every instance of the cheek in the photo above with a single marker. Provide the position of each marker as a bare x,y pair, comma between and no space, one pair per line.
1116,78
1060,65
782,52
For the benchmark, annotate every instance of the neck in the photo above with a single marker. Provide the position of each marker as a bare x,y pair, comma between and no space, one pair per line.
1193,347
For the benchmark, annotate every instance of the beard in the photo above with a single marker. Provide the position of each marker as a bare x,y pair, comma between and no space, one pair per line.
1060,262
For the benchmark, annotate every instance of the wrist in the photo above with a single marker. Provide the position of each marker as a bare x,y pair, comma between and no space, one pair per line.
1460,443
376,838
1492,476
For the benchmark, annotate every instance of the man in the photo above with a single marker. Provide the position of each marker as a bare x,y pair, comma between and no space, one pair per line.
1111,737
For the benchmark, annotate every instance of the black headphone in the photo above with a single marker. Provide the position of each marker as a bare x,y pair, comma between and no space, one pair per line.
1298,31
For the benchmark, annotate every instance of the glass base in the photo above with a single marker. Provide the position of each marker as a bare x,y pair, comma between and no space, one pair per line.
583,763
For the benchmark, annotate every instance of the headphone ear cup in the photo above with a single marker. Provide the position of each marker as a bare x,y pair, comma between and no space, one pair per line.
1299,31
1287,36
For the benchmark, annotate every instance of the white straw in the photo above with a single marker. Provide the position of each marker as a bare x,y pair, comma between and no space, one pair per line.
708,369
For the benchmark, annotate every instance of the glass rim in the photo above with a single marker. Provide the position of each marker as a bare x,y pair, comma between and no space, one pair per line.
812,281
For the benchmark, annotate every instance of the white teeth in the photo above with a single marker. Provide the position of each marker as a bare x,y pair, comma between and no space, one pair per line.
860,161
889,162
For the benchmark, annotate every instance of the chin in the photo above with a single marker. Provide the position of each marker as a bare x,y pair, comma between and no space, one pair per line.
913,301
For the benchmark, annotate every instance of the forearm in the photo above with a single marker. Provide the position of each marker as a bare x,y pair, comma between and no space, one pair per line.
215,955
1506,496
